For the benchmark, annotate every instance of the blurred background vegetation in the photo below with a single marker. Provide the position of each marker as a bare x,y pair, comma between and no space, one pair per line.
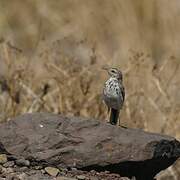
52,52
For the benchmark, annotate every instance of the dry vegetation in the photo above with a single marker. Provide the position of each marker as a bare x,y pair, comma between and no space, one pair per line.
51,59
53,82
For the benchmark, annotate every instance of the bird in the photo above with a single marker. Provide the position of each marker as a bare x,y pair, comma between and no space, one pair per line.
114,93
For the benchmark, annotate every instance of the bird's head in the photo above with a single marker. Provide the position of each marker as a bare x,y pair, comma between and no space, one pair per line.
114,72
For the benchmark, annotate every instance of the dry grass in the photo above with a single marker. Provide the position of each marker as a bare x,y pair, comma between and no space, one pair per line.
54,83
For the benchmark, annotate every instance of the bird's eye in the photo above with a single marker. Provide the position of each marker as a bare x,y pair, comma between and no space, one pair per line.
113,71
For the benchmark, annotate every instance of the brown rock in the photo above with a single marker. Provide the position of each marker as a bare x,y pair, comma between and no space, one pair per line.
52,171
94,178
1,169
22,162
65,178
81,177
37,175
38,167
9,164
55,140
3,158
8,170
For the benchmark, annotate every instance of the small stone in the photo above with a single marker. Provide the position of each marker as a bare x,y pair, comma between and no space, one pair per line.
43,171
64,178
8,170
22,176
9,164
14,176
106,172
38,167
94,178
52,171
1,169
3,158
124,178
22,162
62,173
23,169
32,172
73,169
81,177
64,170
93,172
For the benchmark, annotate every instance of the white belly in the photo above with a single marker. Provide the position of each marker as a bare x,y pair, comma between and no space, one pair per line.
112,94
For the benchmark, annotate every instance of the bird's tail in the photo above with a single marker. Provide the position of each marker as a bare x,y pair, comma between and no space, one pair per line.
114,116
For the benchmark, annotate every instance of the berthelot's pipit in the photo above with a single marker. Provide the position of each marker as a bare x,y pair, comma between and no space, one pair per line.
114,93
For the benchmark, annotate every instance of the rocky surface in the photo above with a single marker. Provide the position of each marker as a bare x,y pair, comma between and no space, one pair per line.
12,171
47,140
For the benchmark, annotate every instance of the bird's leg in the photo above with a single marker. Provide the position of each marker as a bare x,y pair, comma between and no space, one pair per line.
114,116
